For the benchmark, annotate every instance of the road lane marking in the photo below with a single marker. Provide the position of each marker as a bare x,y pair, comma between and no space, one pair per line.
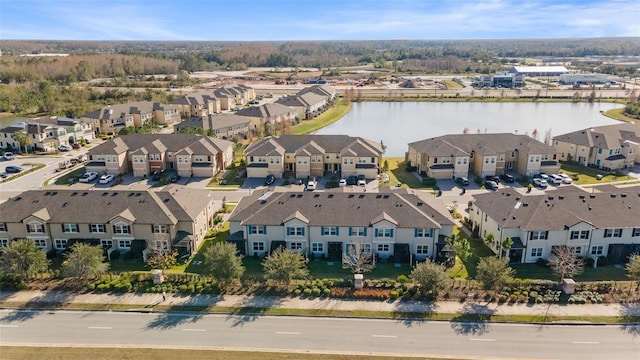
480,339
201,330
585,342
287,333
384,336
8,326
101,327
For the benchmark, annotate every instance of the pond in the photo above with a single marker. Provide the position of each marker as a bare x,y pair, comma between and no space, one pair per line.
398,123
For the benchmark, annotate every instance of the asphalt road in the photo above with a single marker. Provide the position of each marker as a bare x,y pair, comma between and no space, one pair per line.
326,335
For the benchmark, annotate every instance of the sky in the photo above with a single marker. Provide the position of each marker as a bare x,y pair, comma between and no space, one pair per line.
265,20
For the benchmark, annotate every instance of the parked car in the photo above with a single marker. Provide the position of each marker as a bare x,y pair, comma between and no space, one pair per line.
13,169
75,146
462,181
565,178
542,176
156,175
342,182
175,178
540,182
270,180
491,185
88,177
312,185
507,178
362,182
8,155
352,180
493,178
105,179
64,147
555,179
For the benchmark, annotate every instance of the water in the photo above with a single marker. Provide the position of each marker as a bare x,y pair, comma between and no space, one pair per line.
399,123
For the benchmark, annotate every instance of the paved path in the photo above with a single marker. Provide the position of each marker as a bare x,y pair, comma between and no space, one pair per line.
448,307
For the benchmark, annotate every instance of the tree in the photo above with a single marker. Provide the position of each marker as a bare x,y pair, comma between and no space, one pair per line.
224,263
84,262
505,245
22,259
357,259
430,277
159,259
22,139
633,267
284,265
461,246
565,263
493,273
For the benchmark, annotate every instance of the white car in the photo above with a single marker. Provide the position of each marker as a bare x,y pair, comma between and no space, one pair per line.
64,147
362,182
8,155
566,179
88,177
555,179
105,179
342,182
312,185
539,182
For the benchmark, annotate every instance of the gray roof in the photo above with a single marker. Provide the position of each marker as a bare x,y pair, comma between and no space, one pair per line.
265,111
607,207
485,144
185,203
160,142
606,137
214,121
121,110
197,98
405,209
329,143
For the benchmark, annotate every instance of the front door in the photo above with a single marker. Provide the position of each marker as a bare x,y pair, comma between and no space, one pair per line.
334,251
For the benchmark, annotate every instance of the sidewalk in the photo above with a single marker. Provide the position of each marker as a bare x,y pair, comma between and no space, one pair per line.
148,301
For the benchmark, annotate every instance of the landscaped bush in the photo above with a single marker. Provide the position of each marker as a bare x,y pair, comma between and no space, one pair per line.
403,279
307,292
393,295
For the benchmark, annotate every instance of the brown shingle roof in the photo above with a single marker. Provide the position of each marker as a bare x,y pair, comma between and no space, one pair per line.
329,143
486,144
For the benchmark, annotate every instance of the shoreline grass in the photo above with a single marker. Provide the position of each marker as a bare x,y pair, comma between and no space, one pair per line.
332,115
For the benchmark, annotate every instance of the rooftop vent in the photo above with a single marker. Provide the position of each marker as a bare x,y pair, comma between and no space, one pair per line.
525,204
361,196
623,195
330,196
560,197
114,194
74,193
350,196
550,198
54,193
592,196
292,195
613,196
47,193
299,196
581,196
378,196
85,193
132,194
105,193
138,194
315,196
385,196
420,203
165,200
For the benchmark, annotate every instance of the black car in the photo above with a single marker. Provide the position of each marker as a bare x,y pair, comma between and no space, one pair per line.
156,176
492,185
13,169
507,178
269,180
492,178
462,181
352,180
175,178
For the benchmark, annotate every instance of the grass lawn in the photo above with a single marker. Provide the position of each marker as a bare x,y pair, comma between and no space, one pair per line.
398,173
619,114
587,175
330,116
232,180
478,250
196,264
75,174
603,273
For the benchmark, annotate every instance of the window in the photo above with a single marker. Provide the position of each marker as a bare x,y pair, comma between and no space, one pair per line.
423,233
70,228
317,247
97,228
121,229
384,232
258,246
40,243
162,245
536,252
106,243
124,244
4,243
329,231
357,231
597,250
159,229
635,232
295,231
295,246
612,233
383,247
35,228
538,235
3,227
61,244
422,249
253,229
577,250
576,234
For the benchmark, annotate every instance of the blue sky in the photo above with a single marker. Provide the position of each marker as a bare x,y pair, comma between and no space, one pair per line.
245,20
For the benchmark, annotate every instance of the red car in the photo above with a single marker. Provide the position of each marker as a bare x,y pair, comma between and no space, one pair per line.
75,146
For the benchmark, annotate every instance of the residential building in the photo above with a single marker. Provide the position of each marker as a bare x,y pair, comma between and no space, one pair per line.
112,118
601,222
142,154
397,224
451,156
199,104
47,133
303,156
608,147
231,96
174,218
311,101
224,126
275,116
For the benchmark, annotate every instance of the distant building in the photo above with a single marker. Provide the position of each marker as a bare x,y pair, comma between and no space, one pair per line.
539,70
584,79
113,118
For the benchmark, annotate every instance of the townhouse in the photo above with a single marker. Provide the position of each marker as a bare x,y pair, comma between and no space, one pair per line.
311,101
112,118
47,133
397,224
231,96
175,218
450,156
142,154
304,156
199,104
601,222
224,126
274,116
609,147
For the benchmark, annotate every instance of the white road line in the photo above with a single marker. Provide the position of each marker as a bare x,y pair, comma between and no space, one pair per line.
8,326
585,342
384,336
287,333
480,339
201,330
101,327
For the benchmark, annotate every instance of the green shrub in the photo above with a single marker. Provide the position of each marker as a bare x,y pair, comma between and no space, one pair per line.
297,292
393,295
406,296
316,292
403,279
326,292
307,292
